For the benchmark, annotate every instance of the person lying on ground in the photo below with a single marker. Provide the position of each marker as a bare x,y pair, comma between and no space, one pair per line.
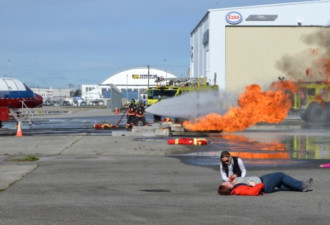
268,183
231,167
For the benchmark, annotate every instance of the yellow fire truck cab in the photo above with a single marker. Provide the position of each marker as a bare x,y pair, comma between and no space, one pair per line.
312,100
167,88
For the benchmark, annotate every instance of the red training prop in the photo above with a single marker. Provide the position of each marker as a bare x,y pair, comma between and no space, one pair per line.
327,165
188,141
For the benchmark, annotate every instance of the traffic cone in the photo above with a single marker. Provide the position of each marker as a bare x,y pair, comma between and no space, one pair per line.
116,111
19,132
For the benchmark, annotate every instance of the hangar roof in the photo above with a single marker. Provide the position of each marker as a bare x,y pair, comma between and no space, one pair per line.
137,77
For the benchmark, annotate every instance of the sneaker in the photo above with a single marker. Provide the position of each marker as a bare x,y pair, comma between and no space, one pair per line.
307,184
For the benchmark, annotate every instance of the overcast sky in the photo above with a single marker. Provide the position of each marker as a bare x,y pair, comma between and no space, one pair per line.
55,43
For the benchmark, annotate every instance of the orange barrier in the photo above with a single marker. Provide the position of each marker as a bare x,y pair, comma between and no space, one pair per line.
19,132
188,141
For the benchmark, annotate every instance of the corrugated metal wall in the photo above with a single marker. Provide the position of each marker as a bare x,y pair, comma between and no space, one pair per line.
252,53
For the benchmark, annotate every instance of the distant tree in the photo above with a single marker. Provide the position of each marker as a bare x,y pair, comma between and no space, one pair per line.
77,93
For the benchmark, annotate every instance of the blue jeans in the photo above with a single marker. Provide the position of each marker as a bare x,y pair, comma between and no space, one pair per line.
281,181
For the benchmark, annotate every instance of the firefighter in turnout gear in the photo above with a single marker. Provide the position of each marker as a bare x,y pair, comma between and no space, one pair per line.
131,114
140,114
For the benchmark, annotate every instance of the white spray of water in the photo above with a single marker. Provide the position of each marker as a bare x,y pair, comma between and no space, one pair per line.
194,104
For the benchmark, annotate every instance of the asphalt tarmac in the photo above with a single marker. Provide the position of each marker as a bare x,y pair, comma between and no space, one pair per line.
83,179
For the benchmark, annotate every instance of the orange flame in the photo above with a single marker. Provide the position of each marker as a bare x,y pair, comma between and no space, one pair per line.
254,106
244,143
252,155
269,150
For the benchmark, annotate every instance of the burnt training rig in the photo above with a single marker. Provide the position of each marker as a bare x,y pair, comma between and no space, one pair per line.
312,101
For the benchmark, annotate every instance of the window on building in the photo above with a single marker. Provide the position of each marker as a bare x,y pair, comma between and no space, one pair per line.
106,93
130,94
206,37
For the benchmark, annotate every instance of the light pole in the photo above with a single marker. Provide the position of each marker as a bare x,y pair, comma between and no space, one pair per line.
9,67
127,87
165,68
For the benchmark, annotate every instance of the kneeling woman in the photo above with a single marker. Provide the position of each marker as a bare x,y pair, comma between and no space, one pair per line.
267,183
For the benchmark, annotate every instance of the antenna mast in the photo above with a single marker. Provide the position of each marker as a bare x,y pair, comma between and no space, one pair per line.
9,68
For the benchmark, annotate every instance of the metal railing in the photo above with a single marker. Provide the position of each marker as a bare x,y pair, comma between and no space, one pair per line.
30,113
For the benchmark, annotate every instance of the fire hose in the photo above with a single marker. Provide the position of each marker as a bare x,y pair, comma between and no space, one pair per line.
121,117
109,126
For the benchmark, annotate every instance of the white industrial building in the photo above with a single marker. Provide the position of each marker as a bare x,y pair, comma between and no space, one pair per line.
101,94
235,47
131,83
53,96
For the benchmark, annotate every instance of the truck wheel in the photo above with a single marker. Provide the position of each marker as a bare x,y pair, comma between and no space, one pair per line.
328,113
315,113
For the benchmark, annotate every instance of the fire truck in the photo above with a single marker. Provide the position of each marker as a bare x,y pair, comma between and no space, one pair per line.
312,101
167,88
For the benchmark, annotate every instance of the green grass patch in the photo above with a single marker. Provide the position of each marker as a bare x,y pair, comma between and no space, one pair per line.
29,158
